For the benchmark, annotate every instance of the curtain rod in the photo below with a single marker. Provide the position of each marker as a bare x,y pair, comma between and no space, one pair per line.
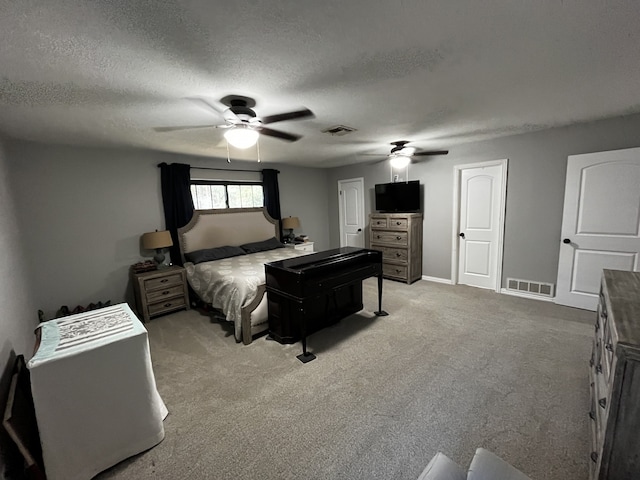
228,169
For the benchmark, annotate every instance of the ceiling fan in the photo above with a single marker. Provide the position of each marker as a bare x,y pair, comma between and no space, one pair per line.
242,124
401,155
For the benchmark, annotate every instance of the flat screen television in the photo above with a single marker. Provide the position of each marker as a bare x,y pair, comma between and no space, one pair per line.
398,197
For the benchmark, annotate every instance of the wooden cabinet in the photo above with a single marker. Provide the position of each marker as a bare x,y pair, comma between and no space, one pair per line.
304,247
399,237
160,291
615,379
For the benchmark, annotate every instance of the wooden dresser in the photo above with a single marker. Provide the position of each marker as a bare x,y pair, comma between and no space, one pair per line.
615,379
160,291
399,237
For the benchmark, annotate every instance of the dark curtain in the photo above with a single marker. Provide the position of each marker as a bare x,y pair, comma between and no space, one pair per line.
272,194
175,180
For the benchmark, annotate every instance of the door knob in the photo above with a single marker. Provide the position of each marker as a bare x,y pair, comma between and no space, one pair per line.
462,234
566,240
359,230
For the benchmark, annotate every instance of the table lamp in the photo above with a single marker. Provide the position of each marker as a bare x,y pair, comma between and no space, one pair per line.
289,223
157,241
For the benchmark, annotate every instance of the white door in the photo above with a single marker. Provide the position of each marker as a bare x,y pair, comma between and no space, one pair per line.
351,212
600,223
480,223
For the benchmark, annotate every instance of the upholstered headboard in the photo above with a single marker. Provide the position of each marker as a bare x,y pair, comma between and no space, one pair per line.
229,226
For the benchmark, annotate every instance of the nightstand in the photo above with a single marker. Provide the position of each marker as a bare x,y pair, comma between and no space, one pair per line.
160,291
305,247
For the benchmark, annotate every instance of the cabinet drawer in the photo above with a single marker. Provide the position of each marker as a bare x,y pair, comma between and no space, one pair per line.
395,254
394,238
398,224
390,270
162,282
157,295
166,306
378,222
305,248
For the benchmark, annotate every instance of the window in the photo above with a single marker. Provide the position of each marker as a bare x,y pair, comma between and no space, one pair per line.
220,194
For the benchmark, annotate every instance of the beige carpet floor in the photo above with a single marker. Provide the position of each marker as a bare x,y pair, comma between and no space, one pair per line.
452,368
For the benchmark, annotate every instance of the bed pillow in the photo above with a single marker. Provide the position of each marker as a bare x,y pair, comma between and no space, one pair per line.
209,254
262,246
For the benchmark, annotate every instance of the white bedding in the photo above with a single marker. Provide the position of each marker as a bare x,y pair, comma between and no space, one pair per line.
232,283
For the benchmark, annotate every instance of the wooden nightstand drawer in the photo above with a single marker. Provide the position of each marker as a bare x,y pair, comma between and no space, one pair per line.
395,238
166,306
168,292
162,282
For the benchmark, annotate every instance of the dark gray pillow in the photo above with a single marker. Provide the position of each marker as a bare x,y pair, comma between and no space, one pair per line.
209,254
262,246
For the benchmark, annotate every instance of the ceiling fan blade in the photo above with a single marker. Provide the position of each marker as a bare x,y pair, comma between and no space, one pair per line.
306,113
278,134
174,129
431,152
217,107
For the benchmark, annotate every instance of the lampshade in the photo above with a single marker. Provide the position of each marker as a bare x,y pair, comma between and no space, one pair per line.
399,161
241,136
153,240
290,223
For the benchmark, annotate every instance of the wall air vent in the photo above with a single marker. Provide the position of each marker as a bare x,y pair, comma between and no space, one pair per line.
527,286
339,130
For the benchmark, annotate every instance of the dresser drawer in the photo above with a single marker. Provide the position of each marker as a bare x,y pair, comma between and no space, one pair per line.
398,224
394,238
395,254
163,282
378,222
391,270
158,295
166,305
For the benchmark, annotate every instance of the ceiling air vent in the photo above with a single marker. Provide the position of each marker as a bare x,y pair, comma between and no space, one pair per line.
339,130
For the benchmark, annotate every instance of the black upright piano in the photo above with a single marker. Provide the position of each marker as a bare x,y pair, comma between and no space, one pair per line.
307,293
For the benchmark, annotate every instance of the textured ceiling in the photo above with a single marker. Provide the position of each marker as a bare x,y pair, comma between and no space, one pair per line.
437,73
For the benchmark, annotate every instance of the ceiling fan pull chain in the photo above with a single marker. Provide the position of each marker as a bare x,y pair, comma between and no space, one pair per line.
258,149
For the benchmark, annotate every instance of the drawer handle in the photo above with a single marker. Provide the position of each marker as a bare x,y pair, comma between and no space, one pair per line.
164,280
603,402
597,325
377,236
398,237
168,304
591,362
594,457
599,368
398,254
398,223
609,347
592,415
398,270
166,292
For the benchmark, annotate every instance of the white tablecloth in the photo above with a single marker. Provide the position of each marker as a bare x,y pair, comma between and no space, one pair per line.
94,392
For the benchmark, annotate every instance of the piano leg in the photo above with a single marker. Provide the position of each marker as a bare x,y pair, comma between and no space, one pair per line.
304,357
380,312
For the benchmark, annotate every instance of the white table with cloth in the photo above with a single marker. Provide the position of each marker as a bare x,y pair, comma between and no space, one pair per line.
94,392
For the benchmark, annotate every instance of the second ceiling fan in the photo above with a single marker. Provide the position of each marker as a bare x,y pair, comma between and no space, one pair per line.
242,124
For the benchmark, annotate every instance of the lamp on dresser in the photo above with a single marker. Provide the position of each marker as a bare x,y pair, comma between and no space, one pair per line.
290,223
157,241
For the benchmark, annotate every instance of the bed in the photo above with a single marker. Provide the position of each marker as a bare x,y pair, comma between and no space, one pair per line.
227,276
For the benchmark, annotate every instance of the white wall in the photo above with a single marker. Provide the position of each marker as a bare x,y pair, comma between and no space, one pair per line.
83,210
535,192
18,312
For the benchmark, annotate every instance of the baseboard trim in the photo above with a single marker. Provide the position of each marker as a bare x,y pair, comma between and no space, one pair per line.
437,280
526,295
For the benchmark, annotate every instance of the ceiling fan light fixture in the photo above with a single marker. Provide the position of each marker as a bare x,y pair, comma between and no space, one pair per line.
241,136
399,161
